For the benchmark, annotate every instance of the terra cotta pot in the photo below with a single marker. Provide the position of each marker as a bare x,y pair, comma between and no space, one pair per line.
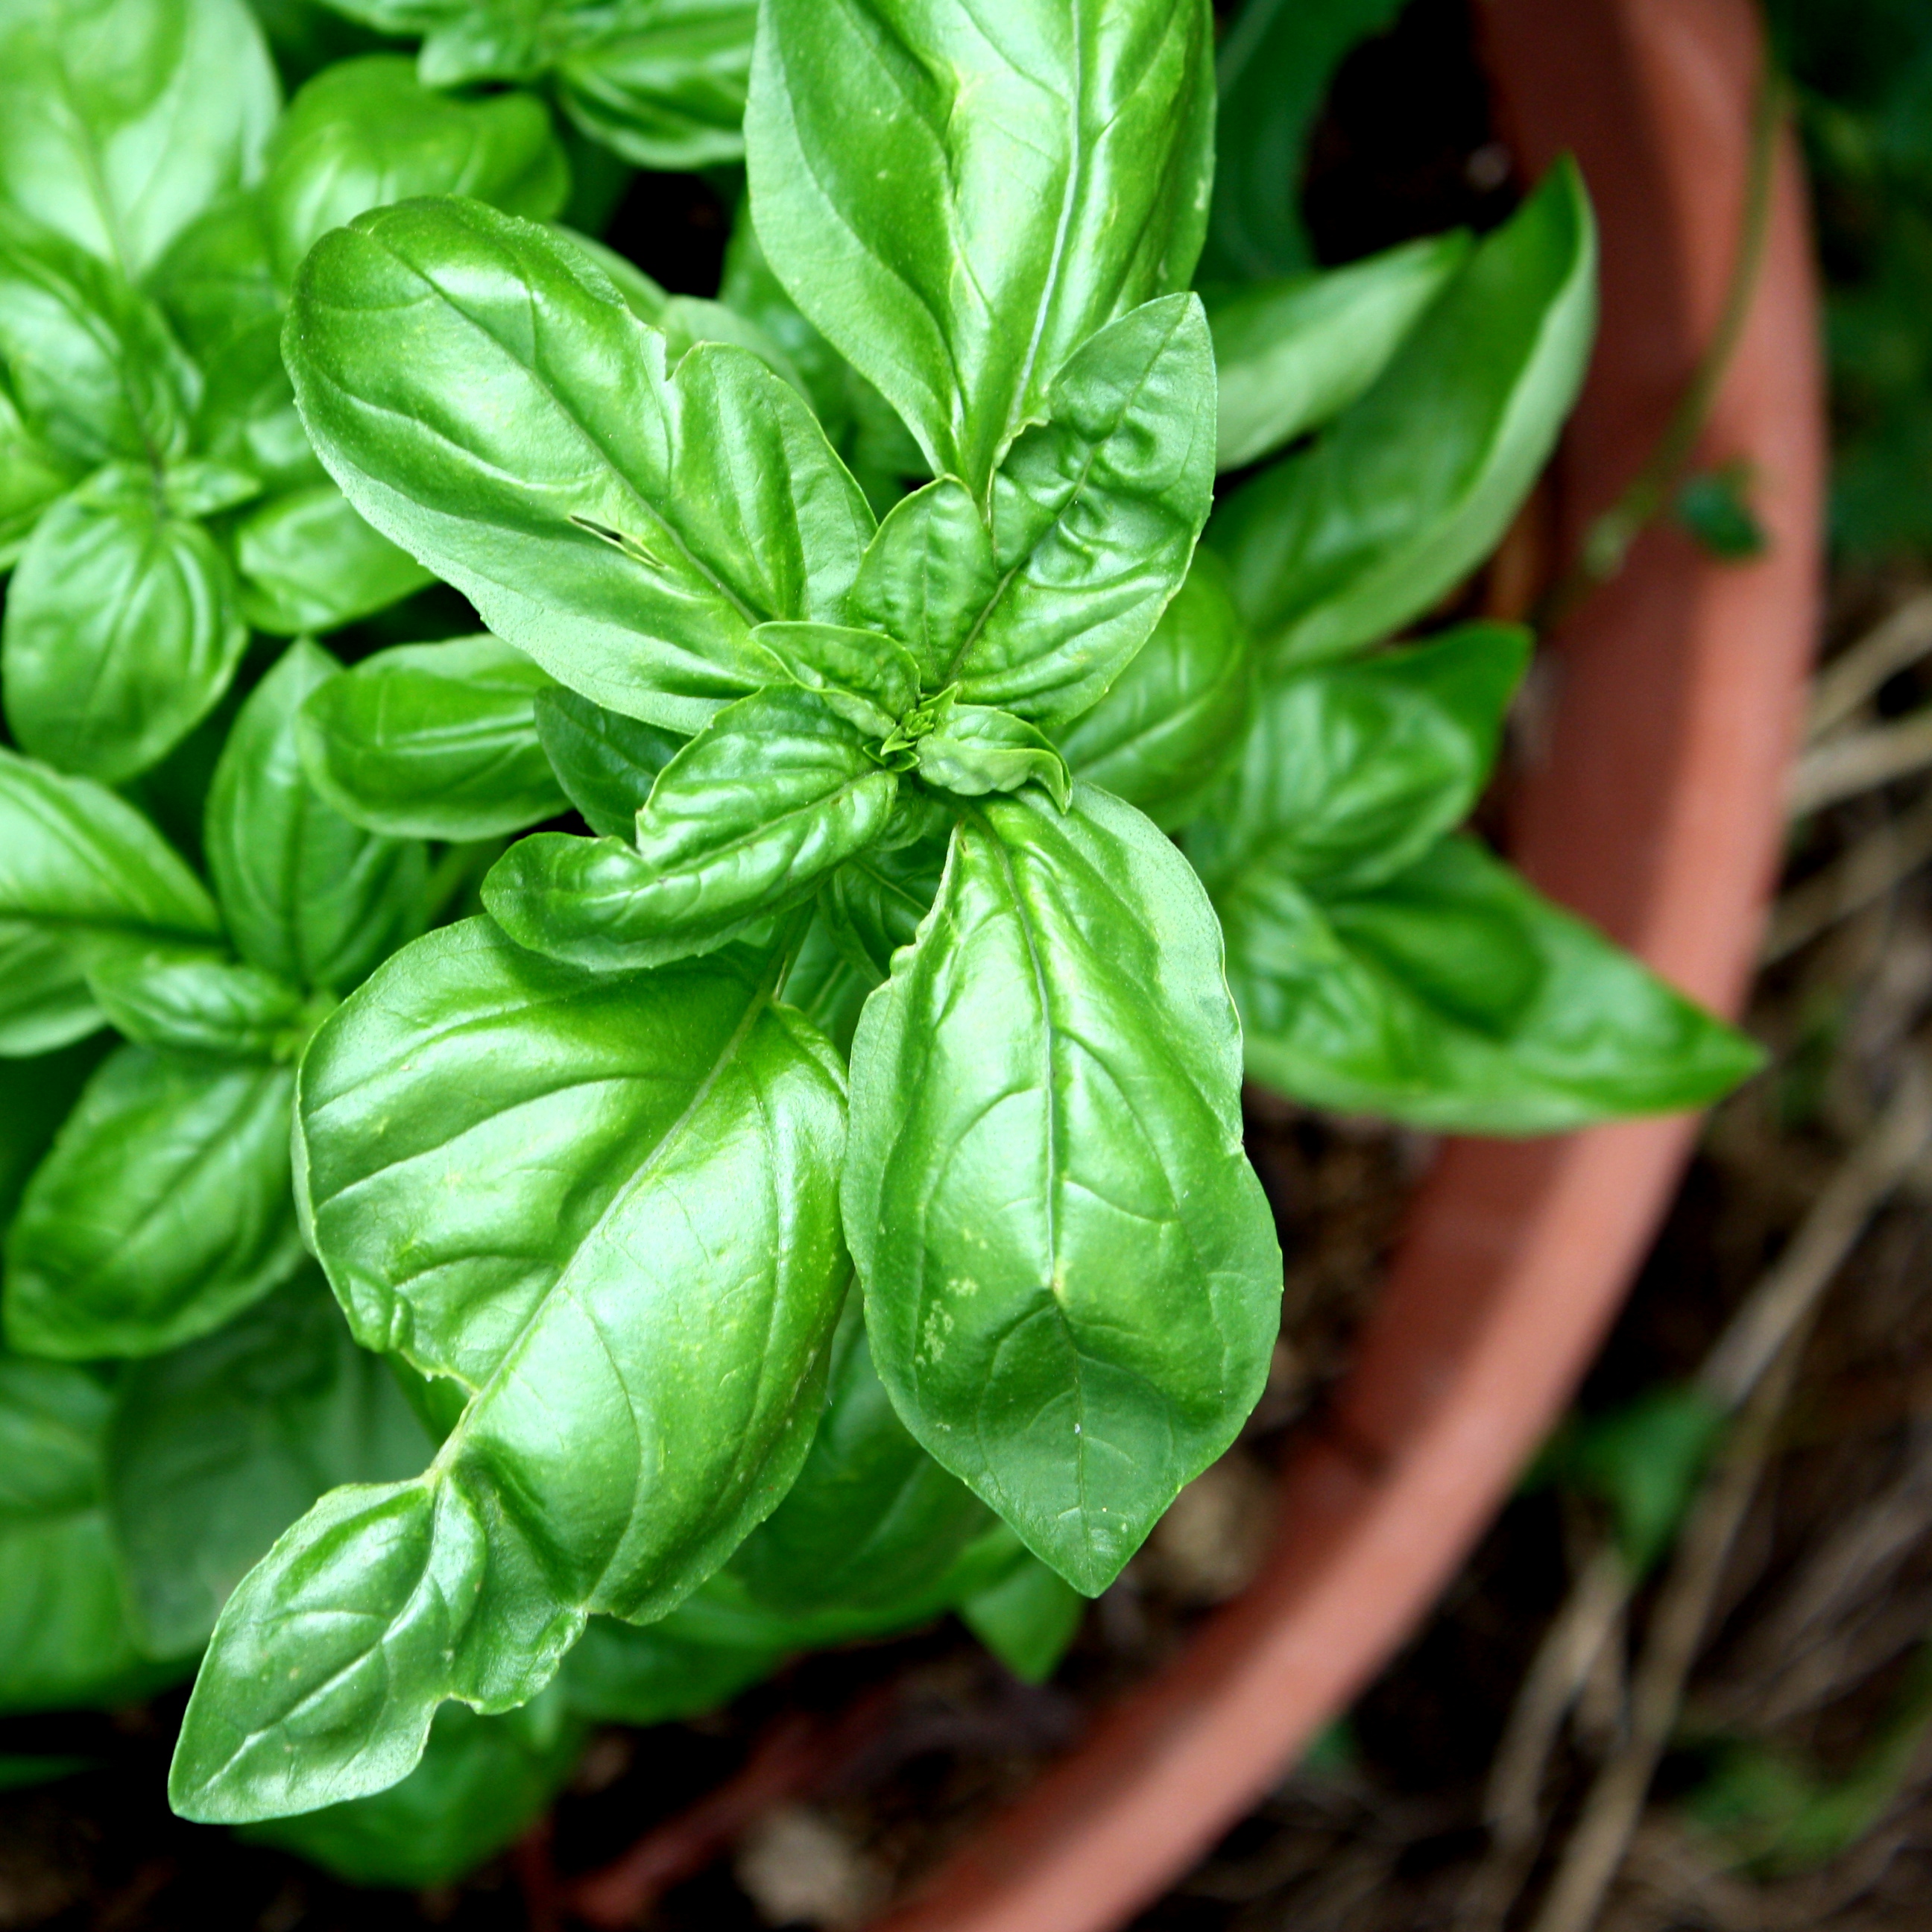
1653,806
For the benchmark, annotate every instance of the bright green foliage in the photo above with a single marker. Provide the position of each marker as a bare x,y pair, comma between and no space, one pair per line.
1027,1619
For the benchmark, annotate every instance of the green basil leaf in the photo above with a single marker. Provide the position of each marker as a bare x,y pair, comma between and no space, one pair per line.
873,1523
663,83
1095,514
217,280
192,1001
365,132
65,1637
482,1782
434,741
80,870
928,576
121,120
873,904
121,630
975,749
1027,1619
1351,772
624,529
1409,490
1453,997
747,818
1071,1279
631,1255
622,1674
32,475
88,361
1172,717
822,983
1290,353
605,762
200,488
217,1447
1275,64
35,1097
959,201
307,895
163,1210
307,561
868,680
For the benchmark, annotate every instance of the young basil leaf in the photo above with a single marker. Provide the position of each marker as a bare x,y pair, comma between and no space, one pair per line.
201,488
975,749
747,818
1275,64
928,576
1071,1279
622,1674
308,562
121,630
65,1638
215,1448
605,762
193,1001
1410,489
163,1210
624,529
121,120
663,83
959,204
1351,772
873,904
631,1255
1171,718
88,361
365,132
868,680
434,741
80,871
32,475
1453,997
1095,514
873,1523
308,895
482,1782
1027,1619
1290,353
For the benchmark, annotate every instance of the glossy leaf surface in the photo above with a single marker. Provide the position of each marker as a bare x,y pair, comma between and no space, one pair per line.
1455,998
163,1210
959,200
747,818
308,562
1071,1281
434,741
975,749
122,630
605,762
180,1000
1410,489
626,528
868,680
306,895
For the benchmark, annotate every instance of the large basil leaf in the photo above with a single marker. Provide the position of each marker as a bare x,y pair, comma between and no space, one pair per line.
163,1210
80,870
121,630
773,793
1290,353
308,895
482,1782
434,741
179,1000
217,1447
605,762
1411,488
1274,67
1172,717
959,199
365,132
605,1204
662,82
65,1638
121,120
484,397
1072,1280
1453,997
89,363
308,562
1351,772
